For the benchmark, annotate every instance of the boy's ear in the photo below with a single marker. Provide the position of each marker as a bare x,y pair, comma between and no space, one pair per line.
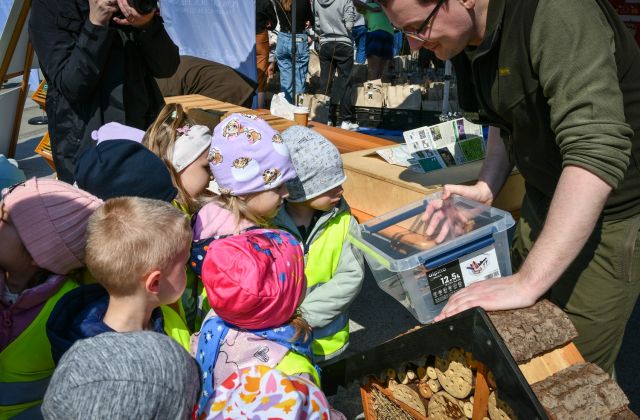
152,282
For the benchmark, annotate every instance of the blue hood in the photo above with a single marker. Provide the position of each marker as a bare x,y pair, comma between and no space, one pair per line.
79,314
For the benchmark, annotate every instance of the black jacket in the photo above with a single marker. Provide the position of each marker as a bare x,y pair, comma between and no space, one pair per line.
96,74
265,16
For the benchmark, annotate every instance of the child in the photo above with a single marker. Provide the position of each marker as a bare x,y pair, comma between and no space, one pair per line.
319,217
137,375
259,392
124,168
183,146
136,251
255,282
42,240
250,164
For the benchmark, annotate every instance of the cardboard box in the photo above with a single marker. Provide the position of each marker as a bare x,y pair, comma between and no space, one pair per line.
376,187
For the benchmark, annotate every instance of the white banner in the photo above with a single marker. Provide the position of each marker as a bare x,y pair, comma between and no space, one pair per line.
218,30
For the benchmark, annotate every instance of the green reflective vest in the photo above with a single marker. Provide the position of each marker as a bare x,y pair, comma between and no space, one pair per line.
26,364
294,364
322,261
175,327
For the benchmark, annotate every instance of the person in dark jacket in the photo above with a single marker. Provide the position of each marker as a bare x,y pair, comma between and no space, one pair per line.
197,76
559,84
99,58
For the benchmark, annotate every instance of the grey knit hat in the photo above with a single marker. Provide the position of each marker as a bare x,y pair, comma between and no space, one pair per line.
317,162
138,375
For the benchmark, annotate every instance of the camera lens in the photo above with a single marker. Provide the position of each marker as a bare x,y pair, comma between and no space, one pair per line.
144,7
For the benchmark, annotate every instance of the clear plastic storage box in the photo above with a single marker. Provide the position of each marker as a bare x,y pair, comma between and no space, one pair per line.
468,243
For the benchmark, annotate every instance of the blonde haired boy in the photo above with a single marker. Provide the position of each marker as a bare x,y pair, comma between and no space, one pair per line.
136,251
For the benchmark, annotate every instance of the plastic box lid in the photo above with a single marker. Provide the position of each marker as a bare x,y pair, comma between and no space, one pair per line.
398,239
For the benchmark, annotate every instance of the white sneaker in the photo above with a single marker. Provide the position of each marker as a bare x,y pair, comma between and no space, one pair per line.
351,126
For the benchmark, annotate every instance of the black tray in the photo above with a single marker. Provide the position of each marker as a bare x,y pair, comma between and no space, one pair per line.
472,330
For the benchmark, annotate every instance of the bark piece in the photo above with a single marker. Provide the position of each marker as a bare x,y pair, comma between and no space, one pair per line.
581,391
535,330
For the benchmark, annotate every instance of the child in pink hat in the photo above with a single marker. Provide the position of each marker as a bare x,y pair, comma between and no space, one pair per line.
255,282
43,224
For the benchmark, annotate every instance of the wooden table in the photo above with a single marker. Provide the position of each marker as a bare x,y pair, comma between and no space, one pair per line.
345,141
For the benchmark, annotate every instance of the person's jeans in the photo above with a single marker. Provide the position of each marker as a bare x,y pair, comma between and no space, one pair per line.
359,36
398,40
338,55
284,58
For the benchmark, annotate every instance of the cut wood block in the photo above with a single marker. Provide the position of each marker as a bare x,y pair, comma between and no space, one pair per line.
582,391
545,365
535,330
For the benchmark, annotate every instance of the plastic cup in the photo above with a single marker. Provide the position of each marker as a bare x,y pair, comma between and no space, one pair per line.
301,115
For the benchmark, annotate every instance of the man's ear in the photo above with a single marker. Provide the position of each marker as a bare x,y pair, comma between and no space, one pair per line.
152,282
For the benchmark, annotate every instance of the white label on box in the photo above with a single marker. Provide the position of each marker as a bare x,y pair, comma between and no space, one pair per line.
448,278
480,265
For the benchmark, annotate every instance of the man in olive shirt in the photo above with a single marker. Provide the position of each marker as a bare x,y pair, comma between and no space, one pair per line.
559,84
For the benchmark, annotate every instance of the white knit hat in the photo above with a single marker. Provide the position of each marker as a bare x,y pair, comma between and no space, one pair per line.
317,162
193,141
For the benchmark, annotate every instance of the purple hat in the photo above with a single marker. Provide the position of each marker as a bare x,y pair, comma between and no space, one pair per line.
248,156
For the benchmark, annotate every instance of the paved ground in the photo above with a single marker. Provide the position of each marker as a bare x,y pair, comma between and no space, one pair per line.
375,316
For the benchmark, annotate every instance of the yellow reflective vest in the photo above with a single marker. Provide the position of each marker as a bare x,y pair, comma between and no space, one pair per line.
26,365
322,261
295,363
175,327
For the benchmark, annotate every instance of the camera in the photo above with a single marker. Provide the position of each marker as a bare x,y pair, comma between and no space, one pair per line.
144,7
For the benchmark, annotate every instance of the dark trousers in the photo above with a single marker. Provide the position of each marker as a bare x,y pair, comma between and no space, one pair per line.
338,56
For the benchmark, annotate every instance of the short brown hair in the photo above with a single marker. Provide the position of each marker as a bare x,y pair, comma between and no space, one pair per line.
129,237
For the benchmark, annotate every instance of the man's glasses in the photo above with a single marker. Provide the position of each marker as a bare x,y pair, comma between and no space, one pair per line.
416,34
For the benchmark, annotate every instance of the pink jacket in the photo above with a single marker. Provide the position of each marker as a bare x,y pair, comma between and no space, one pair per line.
213,220
14,319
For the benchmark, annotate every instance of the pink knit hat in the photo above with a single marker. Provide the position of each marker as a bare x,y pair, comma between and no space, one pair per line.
255,280
51,219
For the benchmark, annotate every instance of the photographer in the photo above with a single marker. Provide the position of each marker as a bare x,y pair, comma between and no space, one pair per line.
99,58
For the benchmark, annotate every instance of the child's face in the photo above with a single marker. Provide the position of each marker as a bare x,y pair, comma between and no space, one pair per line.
174,279
195,177
327,200
267,203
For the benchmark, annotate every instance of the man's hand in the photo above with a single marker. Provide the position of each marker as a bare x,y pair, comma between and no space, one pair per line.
479,192
444,220
101,11
497,294
132,17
